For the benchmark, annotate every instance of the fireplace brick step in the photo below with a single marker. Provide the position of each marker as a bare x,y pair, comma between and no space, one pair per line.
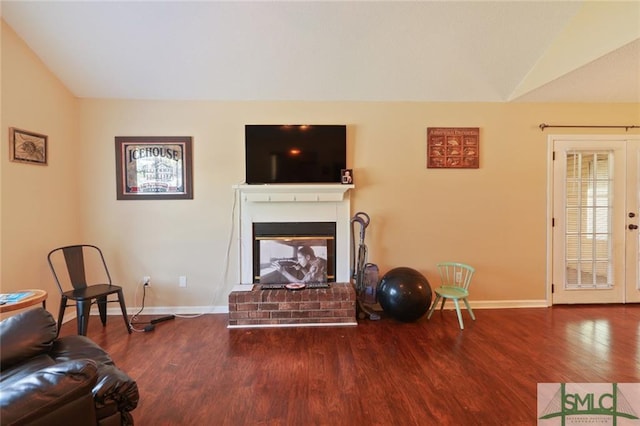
335,305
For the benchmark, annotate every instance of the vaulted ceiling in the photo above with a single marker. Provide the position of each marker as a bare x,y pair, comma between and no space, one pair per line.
474,51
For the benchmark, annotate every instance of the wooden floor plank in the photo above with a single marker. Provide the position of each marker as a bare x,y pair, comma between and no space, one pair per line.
196,371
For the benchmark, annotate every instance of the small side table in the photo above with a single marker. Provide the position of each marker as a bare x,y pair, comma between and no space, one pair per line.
35,298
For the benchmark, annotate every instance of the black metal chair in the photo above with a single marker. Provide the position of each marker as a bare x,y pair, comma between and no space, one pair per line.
82,276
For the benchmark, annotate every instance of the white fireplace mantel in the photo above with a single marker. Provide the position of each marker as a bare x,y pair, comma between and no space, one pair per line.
294,203
291,193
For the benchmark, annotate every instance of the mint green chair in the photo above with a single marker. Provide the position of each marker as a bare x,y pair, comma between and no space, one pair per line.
455,279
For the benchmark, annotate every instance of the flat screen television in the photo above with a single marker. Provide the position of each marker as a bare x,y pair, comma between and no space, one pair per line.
295,153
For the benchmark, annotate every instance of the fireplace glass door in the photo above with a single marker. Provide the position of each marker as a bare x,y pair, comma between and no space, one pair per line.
291,252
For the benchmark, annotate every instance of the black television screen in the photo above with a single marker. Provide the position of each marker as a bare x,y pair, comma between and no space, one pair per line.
295,153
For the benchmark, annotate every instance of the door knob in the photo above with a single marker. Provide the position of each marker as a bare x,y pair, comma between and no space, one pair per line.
632,226
632,214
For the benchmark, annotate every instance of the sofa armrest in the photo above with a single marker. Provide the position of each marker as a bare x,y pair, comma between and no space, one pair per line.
114,388
60,394
26,335
114,392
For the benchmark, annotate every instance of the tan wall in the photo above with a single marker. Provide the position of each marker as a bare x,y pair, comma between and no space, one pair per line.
40,204
493,217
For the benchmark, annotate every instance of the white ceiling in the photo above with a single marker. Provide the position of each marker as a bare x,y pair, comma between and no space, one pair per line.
501,51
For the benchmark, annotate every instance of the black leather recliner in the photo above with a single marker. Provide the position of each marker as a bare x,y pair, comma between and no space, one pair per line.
69,380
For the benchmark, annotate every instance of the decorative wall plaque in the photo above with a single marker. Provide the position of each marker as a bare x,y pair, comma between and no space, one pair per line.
453,147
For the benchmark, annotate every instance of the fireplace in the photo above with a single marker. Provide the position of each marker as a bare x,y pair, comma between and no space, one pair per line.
276,222
281,251
299,211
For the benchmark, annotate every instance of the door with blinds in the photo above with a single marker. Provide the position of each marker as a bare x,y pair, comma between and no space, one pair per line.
595,220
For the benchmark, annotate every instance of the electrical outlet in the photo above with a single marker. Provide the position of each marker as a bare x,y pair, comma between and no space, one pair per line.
458,276
146,280
182,281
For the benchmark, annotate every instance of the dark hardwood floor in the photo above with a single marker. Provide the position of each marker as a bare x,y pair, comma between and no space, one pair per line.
197,372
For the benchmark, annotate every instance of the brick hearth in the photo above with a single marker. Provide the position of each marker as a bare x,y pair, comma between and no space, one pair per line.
335,305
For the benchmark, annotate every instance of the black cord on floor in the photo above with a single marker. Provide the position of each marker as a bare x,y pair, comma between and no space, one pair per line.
148,327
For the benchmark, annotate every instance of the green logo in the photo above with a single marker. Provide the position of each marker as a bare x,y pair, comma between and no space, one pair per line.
582,402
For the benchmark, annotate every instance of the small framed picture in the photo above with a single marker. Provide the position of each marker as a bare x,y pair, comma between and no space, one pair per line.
347,176
27,147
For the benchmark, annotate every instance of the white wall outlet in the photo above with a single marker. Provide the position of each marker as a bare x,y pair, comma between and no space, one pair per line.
182,281
146,280
458,276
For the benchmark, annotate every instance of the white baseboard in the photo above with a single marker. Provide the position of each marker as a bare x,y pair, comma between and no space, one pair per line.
190,310
504,304
176,310
200,310
155,310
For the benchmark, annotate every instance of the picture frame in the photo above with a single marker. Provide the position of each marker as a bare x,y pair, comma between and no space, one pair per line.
27,147
346,176
154,168
453,147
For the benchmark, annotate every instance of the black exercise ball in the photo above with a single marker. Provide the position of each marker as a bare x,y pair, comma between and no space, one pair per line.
404,294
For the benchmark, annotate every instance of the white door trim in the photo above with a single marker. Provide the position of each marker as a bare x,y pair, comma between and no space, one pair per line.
549,243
